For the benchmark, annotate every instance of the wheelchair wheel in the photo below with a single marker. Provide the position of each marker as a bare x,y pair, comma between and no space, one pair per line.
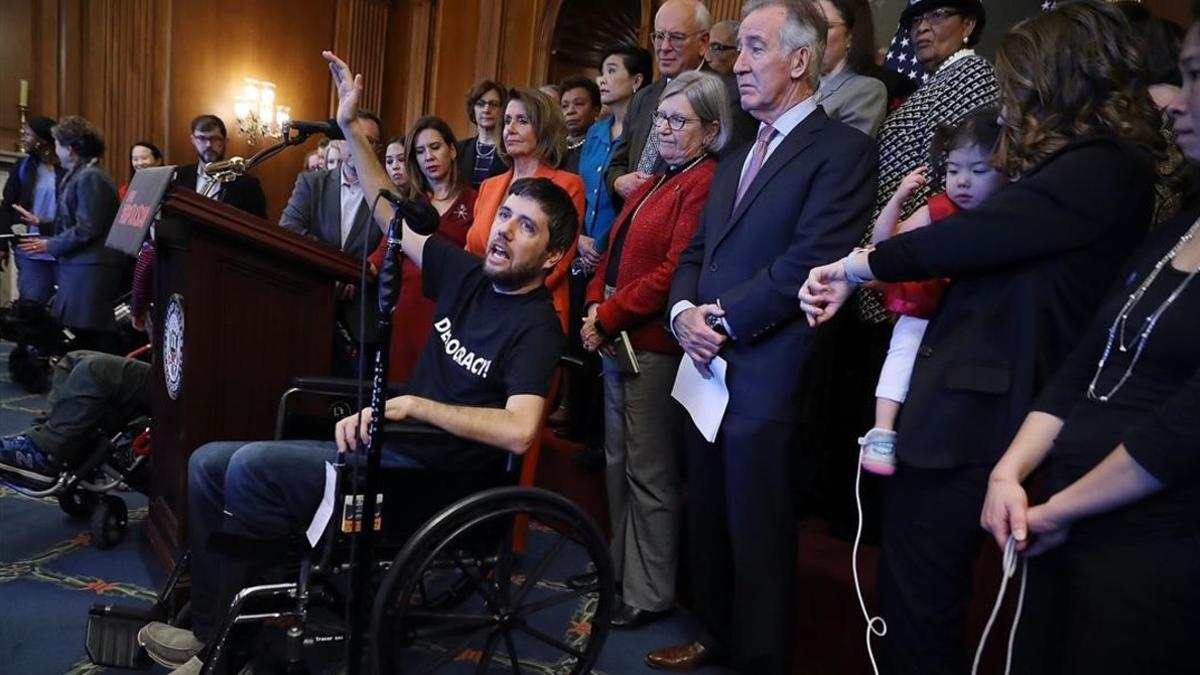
77,503
109,520
508,613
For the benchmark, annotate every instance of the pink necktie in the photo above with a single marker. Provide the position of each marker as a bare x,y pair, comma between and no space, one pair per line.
765,135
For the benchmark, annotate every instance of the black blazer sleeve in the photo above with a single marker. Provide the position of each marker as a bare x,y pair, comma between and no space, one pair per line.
12,195
246,193
1037,216
832,221
1167,444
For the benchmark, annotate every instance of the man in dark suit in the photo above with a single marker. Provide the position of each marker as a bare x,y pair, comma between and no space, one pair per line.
330,206
208,137
680,40
799,197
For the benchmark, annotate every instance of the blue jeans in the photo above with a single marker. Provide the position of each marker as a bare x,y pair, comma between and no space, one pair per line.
260,490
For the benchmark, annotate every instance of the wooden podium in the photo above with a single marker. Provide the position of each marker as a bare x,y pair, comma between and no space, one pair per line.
241,305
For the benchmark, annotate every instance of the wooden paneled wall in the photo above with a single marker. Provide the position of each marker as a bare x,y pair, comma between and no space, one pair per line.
145,68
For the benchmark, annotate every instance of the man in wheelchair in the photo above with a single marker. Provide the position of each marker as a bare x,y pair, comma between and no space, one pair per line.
92,393
483,377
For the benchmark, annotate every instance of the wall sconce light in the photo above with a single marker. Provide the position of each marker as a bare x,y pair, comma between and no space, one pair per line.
256,112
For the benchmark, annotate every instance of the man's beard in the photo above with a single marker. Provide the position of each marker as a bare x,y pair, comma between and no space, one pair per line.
215,156
512,278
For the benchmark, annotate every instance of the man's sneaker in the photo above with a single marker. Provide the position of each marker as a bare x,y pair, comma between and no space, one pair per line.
19,456
170,646
878,453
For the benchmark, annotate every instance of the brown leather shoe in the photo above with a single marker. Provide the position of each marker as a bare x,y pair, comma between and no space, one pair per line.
680,657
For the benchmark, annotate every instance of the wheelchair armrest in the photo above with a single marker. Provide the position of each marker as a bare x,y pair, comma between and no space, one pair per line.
409,428
334,386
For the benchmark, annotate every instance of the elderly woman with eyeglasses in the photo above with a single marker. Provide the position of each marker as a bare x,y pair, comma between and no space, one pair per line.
627,299
958,82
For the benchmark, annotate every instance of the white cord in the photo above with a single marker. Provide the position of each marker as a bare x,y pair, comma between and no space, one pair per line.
1009,564
875,624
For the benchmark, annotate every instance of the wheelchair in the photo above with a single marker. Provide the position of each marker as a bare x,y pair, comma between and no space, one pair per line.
472,572
40,340
119,461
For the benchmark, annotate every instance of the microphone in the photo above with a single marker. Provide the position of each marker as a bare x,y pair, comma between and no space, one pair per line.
421,217
327,128
235,164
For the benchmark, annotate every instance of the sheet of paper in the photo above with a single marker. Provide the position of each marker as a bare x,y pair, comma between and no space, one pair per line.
325,509
705,400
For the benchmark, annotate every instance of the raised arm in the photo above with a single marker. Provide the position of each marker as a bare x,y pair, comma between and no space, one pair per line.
371,173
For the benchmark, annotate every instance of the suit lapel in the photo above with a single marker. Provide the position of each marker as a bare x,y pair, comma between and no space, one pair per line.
794,144
331,208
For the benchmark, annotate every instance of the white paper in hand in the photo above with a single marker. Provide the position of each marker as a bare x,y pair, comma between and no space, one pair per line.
325,509
705,400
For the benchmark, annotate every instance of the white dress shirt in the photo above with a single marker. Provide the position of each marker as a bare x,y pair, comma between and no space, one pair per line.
352,201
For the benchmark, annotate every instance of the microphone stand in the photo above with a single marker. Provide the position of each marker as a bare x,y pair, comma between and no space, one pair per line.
362,563
237,168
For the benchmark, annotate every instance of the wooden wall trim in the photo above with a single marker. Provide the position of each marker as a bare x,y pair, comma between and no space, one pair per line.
360,37
420,46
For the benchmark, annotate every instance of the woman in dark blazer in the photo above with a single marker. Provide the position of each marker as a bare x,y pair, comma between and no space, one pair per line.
478,156
1028,268
628,297
89,274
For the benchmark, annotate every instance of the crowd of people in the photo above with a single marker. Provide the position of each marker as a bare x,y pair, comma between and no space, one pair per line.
1008,247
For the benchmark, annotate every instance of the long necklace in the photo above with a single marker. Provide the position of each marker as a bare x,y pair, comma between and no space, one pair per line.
661,181
1116,332
479,149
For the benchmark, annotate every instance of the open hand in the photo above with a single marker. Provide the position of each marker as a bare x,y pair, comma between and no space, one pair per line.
349,89
33,245
26,215
824,293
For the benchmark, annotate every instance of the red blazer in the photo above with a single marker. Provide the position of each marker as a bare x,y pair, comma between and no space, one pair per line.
664,225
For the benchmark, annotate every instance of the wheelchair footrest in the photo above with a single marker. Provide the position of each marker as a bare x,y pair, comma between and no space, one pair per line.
111,636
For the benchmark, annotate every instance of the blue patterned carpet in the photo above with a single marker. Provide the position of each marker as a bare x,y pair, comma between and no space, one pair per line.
50,575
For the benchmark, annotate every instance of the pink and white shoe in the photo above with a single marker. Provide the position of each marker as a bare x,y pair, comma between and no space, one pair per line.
878,451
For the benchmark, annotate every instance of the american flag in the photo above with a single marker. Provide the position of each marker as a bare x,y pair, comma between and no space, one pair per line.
902,57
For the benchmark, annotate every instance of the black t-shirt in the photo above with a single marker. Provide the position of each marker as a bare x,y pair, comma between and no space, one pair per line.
1153,413
485,347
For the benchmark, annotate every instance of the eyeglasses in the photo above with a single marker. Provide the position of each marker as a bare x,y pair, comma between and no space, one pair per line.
717,48
660,38
483,103
210,140
675,122
935,17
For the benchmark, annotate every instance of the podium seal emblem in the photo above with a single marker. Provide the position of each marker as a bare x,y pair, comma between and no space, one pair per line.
172,348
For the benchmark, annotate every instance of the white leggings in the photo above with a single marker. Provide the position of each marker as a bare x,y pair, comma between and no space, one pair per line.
896,373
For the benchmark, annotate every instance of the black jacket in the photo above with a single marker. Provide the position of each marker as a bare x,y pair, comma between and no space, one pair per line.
18,189
1028,268
245,193
466,162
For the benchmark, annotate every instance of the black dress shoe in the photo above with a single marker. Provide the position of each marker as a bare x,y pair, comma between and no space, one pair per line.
628,617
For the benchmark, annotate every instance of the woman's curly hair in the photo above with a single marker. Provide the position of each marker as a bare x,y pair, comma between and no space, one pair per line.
1070,73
